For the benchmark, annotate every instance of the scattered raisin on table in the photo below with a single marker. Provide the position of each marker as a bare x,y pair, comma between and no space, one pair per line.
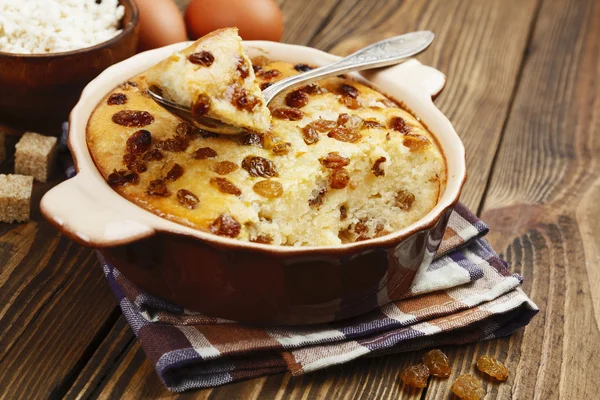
309,134
344,134
116,99
225,186
131,118
415,142
203,153
371,124
466,387
139,142
153,155
281,149
225,225
333,160
122,177
259,166
437,362
377,170
262,238
415,376
404,199
243,69
265,85
204,58
339,179
175,172
268,74
187,199
399,124
489,365
302,67
269,189
296,99
252,139
201,106
290,114
157,187
224,167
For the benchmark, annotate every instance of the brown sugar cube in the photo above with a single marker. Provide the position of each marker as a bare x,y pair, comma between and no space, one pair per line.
15,197
2,148
35,155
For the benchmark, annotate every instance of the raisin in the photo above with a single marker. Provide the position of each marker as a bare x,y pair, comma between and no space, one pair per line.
133,163
437,362
260,61
175,144
122,177
175,172
371,124
201,106
466,387
415,376
398,124
415,142
224,167
354,122
334,161
380,231
268,74
225,225
263,239
116,99
348,90
290,114
265,85
344,134
139,142
361,227
243,101
153,155
296,99
268,189
317,197
258,166
242,68
312,88
309,134
256,68
157,187
281,149
489,365
343,118
187,199
377,170
324,125
339,179
252,139
225,186
203,153
404,199
351,102
184,129
343,213
127,85
302,67
131,118
204,58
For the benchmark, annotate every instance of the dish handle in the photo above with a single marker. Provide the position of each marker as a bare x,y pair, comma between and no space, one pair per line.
90,219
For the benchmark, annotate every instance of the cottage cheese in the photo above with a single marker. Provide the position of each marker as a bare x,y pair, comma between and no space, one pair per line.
53,26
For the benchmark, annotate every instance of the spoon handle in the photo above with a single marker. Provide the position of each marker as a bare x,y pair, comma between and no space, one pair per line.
381,54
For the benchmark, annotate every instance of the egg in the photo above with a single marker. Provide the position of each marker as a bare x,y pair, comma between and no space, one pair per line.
255,19
161,23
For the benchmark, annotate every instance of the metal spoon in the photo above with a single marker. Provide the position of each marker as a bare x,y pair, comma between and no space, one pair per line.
381,54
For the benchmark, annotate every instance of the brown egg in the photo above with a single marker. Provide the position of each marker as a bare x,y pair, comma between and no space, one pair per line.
161,23
256,19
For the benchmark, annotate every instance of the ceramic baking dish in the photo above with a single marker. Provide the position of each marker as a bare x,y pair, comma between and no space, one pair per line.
245,281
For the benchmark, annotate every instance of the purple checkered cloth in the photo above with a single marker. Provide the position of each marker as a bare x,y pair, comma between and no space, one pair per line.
467,294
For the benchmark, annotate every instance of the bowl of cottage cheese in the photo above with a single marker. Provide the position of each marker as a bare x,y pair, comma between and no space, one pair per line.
51,49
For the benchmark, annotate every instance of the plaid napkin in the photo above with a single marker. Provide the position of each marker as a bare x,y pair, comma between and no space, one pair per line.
467,294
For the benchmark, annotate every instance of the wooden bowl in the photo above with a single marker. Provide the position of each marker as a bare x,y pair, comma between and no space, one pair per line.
37,91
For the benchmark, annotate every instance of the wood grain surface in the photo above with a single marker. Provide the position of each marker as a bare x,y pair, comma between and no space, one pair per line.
523,92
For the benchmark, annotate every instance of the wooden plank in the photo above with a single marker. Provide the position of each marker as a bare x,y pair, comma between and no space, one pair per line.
472,36
542,206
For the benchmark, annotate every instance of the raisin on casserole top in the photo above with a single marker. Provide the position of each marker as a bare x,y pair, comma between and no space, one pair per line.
341,163
214,77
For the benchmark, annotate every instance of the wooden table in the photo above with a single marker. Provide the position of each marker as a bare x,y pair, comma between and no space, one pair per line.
524,94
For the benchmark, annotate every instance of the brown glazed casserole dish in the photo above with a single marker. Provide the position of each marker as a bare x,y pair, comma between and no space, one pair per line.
245,281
